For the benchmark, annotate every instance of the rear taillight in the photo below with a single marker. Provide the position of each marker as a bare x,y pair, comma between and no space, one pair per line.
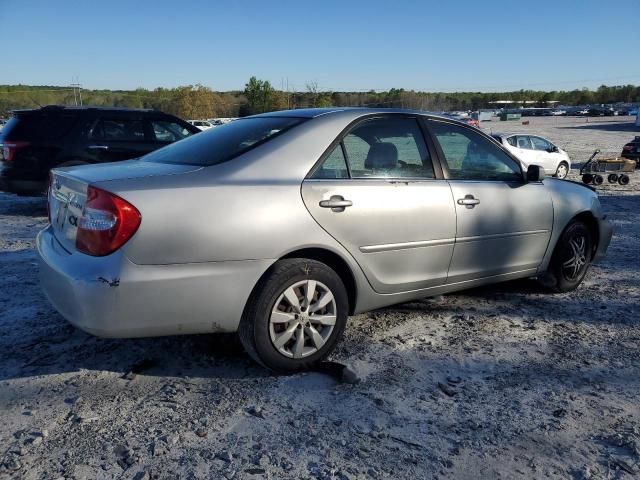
9,149
627,148
107,223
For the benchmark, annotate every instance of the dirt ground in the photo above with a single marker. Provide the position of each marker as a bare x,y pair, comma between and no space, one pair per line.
506,381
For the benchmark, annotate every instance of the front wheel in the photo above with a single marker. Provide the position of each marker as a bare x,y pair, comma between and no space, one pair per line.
562,170
296,315
571,258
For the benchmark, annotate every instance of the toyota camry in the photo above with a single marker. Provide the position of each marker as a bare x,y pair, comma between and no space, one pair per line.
281,225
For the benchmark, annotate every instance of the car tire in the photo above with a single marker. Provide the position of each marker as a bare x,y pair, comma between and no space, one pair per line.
612,178
571,258
286,336
587,178
623,179
562,171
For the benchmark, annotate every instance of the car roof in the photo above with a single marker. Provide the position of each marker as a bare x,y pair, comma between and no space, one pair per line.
349,112
78,108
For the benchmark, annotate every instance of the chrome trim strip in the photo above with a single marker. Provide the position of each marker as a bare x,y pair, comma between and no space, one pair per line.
404,246
444,241
499,235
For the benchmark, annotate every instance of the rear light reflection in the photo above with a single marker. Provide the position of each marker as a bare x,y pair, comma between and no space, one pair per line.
107,223
9,149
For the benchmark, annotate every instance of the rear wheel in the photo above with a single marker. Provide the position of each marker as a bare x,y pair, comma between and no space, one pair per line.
598,179
623,179
562,170
296,315
612,178
571,258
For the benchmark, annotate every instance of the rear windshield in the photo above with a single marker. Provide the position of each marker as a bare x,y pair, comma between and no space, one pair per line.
223,143
32,127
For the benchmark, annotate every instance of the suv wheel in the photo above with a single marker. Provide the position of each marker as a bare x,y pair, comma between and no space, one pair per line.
296,315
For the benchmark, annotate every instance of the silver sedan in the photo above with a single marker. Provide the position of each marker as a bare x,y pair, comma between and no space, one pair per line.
281,225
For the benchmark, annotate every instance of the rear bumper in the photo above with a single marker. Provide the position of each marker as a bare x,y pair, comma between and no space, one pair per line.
113,297
605,232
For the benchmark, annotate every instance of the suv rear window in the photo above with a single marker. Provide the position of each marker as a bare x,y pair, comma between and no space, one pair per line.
34,127
223,143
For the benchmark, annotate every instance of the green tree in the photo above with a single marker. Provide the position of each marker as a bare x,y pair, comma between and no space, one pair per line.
260,95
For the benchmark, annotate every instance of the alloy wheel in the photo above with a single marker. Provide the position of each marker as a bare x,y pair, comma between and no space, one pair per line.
302,319
576,262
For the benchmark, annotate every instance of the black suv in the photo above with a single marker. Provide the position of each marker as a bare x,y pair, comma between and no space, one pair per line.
35,141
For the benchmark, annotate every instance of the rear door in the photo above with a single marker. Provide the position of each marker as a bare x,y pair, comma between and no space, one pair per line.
113,138
375,191
503,222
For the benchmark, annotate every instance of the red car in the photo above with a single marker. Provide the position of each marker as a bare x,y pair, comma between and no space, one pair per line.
468,120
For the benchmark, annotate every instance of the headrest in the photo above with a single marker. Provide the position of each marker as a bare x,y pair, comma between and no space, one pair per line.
381,155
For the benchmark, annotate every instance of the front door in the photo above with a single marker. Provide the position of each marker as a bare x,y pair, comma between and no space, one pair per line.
376,193
503,222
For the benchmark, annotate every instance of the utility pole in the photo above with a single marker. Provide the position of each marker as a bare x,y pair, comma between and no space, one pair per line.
79,87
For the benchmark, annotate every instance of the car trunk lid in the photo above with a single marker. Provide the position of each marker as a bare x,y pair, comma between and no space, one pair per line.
68,191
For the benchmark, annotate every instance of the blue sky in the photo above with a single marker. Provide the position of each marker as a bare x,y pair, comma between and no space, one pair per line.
342,45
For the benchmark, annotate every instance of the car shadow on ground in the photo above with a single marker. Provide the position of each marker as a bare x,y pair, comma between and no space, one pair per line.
61,348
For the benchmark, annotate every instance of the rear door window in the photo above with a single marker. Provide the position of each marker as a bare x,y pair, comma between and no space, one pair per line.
391,147
334,166
522,141
118,130
166,131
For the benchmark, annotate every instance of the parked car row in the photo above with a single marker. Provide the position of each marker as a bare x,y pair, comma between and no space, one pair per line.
35,141
201,124
210,123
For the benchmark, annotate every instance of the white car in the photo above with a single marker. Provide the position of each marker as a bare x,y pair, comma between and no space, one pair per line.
535,150
201,124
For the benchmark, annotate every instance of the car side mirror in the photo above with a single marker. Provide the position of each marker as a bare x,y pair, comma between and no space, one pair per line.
535,173
553,148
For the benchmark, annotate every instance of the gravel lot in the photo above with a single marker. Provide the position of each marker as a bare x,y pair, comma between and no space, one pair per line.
500,382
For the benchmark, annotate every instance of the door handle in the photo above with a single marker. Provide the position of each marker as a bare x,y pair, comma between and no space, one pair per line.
98,147
468,201
336,203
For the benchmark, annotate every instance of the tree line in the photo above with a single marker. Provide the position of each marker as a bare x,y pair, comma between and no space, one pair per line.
198,101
